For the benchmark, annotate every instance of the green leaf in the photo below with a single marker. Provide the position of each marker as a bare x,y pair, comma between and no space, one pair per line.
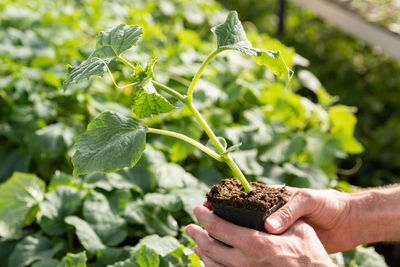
117,40
58,204
171,175
110,44
112,142
306,175
31,249
46,263
147,257
86,235
364,257
18,195
153,218
166,201
231,35
109,256
282,148
92,66
149,102
74,260
190,198
247,161
161,245
343,124
110,227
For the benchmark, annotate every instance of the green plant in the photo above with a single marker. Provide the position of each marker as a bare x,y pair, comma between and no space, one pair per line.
114,141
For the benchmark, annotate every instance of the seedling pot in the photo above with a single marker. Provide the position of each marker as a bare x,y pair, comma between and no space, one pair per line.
245,209
243,217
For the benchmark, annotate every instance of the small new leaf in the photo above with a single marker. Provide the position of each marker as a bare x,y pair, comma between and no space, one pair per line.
110,44
231,35
117,40
149,102
111,142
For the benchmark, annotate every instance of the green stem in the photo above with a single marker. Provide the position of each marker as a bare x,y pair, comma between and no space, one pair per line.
238,173
200,70
188,140
170,91
126,62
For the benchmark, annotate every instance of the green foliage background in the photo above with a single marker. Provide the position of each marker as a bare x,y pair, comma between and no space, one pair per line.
291,134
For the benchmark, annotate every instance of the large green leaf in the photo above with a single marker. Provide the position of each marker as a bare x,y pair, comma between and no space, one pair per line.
148,102
58,204
86,235
110,227
154,219
110,44
190,198
31,249
161,245
18,195
73,260
112,142
231,35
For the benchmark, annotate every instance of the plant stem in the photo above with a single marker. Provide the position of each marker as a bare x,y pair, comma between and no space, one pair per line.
126,62
170,91
226,158
200,70
238,173
188,140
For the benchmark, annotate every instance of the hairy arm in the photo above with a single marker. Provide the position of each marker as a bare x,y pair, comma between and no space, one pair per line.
376,213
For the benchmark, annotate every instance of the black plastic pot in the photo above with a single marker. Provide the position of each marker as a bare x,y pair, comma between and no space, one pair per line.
243,217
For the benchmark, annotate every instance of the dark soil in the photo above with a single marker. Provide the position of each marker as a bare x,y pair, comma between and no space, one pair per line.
262,198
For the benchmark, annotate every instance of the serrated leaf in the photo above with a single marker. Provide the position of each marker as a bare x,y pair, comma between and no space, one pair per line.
112,142
110,227
149,102
86,235
58,204
31,249
18,195
74,260
93,66
110,44
118,39
231,35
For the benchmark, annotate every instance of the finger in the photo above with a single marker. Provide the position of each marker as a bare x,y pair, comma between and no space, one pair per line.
300,204
206,260
210,247
226,232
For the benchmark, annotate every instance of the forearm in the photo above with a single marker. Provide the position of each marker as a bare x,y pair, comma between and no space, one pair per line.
376,215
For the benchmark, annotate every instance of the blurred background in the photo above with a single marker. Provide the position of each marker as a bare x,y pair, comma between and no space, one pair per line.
337,123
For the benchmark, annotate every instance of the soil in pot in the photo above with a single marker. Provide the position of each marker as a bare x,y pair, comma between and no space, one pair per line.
230,202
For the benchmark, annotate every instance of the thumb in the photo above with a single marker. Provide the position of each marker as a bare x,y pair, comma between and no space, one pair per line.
300,204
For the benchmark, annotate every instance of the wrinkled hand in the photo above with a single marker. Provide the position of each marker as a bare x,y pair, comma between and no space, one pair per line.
327,211
298,246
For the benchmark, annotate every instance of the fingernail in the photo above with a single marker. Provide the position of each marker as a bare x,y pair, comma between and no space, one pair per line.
188,230
274,223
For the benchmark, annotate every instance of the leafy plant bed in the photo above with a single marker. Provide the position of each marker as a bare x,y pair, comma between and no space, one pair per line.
230,202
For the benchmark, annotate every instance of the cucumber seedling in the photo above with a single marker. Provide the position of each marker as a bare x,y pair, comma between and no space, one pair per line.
114,141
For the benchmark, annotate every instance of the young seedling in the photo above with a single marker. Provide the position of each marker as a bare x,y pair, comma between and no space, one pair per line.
114,141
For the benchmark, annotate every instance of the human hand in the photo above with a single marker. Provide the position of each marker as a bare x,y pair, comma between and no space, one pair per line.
327,211
298,246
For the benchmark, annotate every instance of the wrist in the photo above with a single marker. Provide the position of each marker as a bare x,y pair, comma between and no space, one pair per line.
375,215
